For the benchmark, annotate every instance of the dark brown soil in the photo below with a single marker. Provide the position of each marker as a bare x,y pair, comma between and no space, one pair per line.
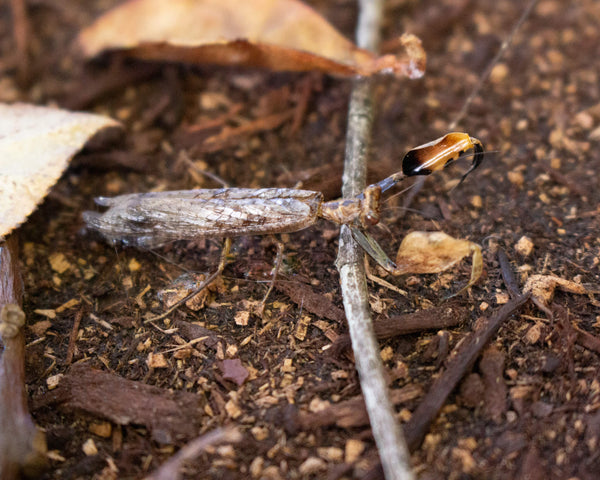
530,408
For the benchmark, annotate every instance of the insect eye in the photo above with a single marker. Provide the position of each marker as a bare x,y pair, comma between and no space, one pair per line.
372,219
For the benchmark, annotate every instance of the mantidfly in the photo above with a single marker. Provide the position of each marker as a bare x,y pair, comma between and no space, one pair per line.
156,218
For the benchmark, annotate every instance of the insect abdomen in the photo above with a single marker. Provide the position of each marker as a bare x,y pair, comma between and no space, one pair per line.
435,155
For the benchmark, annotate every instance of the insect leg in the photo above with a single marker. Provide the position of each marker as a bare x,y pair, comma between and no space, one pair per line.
203,285
274,273
373,249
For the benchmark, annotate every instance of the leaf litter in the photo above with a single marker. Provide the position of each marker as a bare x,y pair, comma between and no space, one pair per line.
437,448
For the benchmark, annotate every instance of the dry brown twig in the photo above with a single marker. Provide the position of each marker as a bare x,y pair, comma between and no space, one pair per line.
170,470
21,35
461,360
392,448
22,445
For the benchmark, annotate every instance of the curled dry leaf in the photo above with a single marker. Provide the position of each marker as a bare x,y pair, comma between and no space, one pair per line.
542,288
433,252
36,144
275,34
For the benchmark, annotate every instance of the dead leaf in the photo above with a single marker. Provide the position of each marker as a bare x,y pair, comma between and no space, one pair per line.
542,288
433,252
184,285
275,34
234,370
36,144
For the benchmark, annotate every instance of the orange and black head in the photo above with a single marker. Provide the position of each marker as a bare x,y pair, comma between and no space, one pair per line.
435,155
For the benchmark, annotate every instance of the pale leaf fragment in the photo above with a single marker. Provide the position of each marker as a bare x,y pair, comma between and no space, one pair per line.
282,35
542,288
434,252
36,144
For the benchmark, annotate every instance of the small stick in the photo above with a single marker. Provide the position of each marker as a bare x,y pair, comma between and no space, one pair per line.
21,34
587,340
171,469
274,275
94,85
484,76
460,361
431,319
73,336
22,445
507,274
390,442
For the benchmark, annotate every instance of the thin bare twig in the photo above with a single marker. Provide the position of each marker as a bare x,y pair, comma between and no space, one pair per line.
22,445
432,318
170,470
507,274
461,360
21,34
73,336
484,76
388,436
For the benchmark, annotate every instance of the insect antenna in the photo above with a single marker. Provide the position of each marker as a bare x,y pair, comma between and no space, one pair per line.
397,194
476,163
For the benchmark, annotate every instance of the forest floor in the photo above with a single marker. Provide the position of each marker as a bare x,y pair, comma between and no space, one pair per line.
295,399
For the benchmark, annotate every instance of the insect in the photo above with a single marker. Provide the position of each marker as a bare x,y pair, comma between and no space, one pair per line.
153,219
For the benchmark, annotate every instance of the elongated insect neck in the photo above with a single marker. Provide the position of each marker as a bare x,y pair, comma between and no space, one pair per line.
391,181
384,184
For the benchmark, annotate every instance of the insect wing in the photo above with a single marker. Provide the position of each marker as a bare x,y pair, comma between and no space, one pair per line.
153,219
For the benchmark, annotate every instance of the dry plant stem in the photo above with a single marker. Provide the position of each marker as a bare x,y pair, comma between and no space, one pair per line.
73,336
433,318
460,361
21,36
118,77
170,470
484,76
392,448
22,445
507,274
